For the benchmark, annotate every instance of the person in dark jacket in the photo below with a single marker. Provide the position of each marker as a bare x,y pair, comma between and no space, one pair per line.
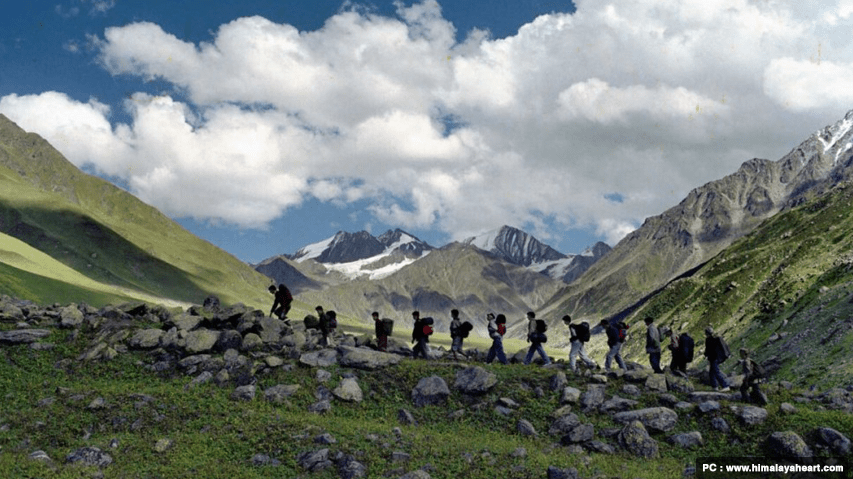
456,334
497,329
715,353
535,339
325,325
615,343
678,365
420,338
281,303
653,344
751,380
577,343
381,334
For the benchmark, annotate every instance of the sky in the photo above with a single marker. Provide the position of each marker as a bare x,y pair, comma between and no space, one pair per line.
264,126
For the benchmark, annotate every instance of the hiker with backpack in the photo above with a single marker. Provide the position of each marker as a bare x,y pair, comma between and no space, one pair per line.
753,373
282,301
456,334
681,347
616,335
579,336
420,335
381,327
716,351
536,329
497,329
653,344
328,322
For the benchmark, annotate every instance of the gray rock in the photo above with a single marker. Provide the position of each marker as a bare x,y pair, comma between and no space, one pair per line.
631,390
558,381
787,444
709,406
400,456
702,396
314,461
475,380
322,375
201,340
687,440
720,424
570,395
655,418
244,393
229,340
557,473
838,443
563,424
679,384
593,397
599,447
163,445
251,342
271,329
326,439
280,392
637,376
70,317
635,439
578,434
146,339
22,336
348,390
40,456
525,428
264,460
417,474
89,456
406,417
185,321
320,359
752,415
430,391
787,408
320,407
617,404
656,382
367,359
350,468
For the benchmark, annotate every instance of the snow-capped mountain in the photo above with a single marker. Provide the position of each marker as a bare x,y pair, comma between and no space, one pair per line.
515,246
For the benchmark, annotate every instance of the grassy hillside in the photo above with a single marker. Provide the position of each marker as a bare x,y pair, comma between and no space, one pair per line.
106,234
785,290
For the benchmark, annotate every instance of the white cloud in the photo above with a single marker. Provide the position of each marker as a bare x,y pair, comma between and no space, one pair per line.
647,99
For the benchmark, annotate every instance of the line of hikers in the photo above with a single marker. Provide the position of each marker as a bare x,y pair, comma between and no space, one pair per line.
681,346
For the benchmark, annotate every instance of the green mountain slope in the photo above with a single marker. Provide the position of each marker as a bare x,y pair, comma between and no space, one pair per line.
106,234
784,290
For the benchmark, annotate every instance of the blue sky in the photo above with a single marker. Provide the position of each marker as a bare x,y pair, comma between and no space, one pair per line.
265,126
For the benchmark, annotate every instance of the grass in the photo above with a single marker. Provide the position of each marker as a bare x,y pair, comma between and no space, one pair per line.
49,404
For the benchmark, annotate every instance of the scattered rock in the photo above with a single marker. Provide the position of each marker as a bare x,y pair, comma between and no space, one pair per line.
320,359
23,336
687,440
656,418
475,380
752,415
787,444
279,393
525,428
635,439
557,473
314,461
570,395
89,456
838,443
348,390
367,359
430,391
244,393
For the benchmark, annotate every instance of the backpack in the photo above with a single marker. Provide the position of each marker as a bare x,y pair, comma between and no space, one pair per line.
758,370
583,332
725,352
427,330
541,326
686,343
501,328
331,322
466,328
539,337
388,326
623,332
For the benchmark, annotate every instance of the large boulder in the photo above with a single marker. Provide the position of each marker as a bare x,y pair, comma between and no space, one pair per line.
368,359
70,316
655,418
146,339
635,439
752,415
838,443
23,336
320,359
348,390
563,424
271,329
787,444
475,380
430,391
201,340
593,397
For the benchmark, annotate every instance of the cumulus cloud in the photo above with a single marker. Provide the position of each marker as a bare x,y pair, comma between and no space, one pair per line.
640,100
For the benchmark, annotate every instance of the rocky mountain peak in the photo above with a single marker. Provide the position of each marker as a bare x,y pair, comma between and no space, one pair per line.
515,246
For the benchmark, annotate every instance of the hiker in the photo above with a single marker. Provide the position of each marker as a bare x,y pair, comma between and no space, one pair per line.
456,334
536,336
420,335
381,332
328,323
653,344
717,351
615,338
579,335
497,329
681,348
753,373
281,303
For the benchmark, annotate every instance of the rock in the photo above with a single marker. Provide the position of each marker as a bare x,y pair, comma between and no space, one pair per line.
720,424
687,440
599,447
430,391
418,474
348,390
656,418
70,317
271,329
709,406
163,445
631,390
146,339
367,359
593,397
635,439
201,340
264,460
251,342
558,381
656,382
89,456
475,380
787,444
570,395
314,461
185,322
637,375
838,443
400,456
22,336
787,408
701,396
229,339
244,393
563,424
679,384
752,415
320,359
40,456
617,404
280,392
406,417
557,473
578,434
326,439
320,407
525,428
350,468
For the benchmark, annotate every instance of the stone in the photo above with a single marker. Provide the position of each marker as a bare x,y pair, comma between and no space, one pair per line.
564,424
280,392
70,317
838,443
22,336
687,440
89,456
40,456
578,434
593,397
201,340
185,322
229,339
146,339
367,359
264,460
656,418
348,390
475,380
350,468
314,461
406,417
656,382
163,445
558,381
525,428
251,342
320,407
271,329
430,391
679,384
617,404
701,396
720,424
325,439
555,472
320,359
751,415
418,474
244,393
635,439
570,395
709,406
787,408
787,444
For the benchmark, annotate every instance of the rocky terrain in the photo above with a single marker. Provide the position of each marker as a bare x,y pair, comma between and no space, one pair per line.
224,391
